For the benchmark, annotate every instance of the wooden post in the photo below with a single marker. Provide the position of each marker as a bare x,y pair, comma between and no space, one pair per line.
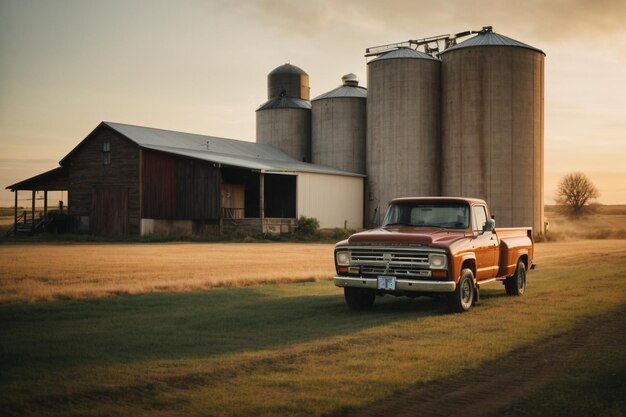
32,216
45,209
262,200
15,216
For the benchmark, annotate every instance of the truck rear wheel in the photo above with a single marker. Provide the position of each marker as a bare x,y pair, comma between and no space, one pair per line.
359,298
462,298
516,284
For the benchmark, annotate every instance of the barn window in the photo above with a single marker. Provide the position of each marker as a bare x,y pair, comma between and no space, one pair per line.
106,153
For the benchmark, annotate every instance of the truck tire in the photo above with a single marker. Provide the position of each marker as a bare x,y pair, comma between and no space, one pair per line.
516,284
462,299
359,298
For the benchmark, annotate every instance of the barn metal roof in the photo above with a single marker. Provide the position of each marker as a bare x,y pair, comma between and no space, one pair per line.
347,91
403,53
285,103
231,152
56,179
490,39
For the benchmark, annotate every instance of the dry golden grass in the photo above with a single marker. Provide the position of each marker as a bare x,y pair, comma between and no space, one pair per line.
605,222
43,272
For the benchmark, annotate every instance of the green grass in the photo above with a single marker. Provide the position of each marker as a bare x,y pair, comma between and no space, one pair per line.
289,350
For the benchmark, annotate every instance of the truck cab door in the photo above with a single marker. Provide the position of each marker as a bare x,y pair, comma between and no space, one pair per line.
485,245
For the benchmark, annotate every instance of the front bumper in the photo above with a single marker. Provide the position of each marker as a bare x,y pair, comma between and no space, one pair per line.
401,284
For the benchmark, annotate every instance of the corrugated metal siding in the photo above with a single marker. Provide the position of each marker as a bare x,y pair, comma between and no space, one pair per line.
333,200
158,186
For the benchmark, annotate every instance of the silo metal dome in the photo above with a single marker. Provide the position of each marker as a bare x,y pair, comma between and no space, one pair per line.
284,121
492,133
403,128
339,123
288,80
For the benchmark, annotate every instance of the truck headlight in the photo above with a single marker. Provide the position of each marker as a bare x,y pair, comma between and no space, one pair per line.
343,257
438,261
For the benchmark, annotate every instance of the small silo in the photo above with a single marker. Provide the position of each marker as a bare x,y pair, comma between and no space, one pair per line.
492,132
403,128
289,81
339,122
284,121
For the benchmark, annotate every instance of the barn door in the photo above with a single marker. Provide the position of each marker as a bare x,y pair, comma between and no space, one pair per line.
233,201
109,211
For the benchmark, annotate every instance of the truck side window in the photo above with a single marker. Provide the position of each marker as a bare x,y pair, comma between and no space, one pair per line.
480,217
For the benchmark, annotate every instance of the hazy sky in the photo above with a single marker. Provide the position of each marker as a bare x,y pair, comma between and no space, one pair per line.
201,67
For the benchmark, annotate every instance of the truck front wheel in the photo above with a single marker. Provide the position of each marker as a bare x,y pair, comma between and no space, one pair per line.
359,298
516,284
462,298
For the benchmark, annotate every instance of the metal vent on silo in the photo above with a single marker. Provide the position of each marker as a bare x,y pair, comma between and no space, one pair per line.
492,132
338,126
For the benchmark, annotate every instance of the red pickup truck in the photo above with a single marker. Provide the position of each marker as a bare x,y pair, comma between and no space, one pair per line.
433,245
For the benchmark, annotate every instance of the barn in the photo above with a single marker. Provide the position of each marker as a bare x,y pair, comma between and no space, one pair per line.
123,179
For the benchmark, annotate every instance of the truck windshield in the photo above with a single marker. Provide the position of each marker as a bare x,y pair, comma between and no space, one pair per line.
428,214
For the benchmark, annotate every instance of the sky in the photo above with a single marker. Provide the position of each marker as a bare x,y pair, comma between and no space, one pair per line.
201,67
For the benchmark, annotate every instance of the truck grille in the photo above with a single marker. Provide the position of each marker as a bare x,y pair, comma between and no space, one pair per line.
397,262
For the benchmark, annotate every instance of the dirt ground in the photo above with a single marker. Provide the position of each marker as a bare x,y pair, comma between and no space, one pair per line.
483,391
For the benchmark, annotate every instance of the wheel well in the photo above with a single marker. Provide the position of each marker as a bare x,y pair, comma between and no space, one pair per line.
471,264
524,258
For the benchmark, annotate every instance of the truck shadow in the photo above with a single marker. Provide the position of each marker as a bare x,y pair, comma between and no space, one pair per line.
184,325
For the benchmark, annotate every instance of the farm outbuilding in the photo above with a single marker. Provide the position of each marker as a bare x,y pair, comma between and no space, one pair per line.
440,117
124,179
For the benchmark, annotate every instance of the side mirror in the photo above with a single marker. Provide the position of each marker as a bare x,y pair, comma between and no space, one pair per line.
489,226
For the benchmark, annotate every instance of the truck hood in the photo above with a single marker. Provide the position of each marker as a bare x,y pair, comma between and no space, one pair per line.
408,235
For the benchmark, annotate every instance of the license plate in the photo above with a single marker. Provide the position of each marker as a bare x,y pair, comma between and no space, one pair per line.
386,283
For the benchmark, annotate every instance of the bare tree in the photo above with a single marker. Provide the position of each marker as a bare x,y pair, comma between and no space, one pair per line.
574,192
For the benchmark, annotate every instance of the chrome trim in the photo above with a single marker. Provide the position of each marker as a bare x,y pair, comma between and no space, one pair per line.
393,247
401,284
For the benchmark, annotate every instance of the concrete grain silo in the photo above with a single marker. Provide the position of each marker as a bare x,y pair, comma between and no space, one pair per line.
403,128
284,121
339,123
492,132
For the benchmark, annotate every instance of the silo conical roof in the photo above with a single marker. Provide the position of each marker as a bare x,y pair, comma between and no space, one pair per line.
403,53
285,103
491,39
344,91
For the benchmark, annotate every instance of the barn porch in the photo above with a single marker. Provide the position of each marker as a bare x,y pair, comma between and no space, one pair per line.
46,220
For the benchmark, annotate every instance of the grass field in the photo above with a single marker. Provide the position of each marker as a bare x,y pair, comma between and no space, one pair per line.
606,222
44,272
296,350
